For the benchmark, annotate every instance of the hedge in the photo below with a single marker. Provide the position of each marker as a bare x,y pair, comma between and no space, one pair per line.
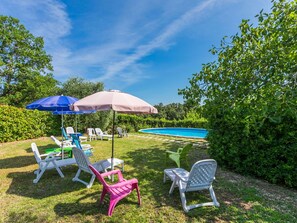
135,122
20,124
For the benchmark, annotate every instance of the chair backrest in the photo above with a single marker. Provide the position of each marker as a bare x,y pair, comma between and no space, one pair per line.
98,131
100,178
120,130
69,130
90,131
76,141
81,159
201,175
56,141
184,153
36,152
64,133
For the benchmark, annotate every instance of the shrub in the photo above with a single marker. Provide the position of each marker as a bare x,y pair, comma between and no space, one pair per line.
136,122
19,124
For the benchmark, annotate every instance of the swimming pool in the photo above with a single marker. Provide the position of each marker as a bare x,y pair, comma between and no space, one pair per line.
180,132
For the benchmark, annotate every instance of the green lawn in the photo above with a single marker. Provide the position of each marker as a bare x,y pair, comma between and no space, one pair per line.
55,199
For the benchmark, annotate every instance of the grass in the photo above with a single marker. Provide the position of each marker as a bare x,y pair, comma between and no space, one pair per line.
55,199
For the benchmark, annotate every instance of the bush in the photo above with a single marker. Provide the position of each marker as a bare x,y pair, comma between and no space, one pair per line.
19,124
136,122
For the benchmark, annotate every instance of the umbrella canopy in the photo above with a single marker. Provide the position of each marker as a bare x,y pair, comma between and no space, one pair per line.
114,100
117,102
53,103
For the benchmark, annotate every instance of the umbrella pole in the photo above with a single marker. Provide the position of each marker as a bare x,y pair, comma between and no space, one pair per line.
113,120
112,145
62,149
76,123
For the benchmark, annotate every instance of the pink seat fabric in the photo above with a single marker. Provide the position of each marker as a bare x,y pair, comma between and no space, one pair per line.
118,190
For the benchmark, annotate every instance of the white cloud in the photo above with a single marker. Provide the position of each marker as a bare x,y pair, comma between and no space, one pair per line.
120,47
159,42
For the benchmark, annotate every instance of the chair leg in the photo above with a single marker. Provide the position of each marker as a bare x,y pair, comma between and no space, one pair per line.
91,181
58,169
213,197
39,173
112,205
173,185
183,200
76,175
88,185
138,195
104,191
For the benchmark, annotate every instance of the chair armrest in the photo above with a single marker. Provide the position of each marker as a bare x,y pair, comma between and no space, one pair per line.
184,176
113,172
49,154
124,183
86,149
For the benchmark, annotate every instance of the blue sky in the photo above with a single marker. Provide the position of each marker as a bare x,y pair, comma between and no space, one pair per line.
148,48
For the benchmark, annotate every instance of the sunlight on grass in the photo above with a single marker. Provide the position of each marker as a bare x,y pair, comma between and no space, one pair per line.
56,199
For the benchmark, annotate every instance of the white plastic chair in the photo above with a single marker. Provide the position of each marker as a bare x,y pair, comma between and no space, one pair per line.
100,134
69,130
200,177
91,134
66,143
83,163
49,162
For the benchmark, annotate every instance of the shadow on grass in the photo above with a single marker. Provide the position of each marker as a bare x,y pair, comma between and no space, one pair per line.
78,207
149,164
17,162
90,208
50,184
23,161
42,148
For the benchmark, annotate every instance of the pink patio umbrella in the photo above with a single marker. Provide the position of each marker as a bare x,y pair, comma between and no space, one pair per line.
117,102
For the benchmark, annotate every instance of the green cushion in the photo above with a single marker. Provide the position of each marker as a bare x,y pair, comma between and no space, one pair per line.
68,150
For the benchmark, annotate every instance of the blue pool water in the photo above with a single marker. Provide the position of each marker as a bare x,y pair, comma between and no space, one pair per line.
180,132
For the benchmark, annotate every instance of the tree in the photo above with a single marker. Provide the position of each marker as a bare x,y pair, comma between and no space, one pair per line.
250,96
24,65
80,88
173,111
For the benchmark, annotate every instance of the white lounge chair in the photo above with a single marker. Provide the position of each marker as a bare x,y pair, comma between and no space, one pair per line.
69,144
49,162
83,163
102,135
200,177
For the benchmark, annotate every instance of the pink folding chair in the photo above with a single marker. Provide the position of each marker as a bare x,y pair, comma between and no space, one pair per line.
118,190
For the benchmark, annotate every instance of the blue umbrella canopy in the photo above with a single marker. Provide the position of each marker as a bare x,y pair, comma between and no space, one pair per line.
53,103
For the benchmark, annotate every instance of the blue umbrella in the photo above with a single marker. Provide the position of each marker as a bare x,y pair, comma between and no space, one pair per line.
53,103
